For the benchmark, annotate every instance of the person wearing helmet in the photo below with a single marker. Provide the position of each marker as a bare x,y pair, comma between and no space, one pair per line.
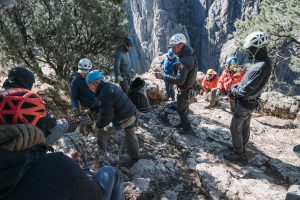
247,93
122,64
184,78
30,169
167,65
231,75
80,92
115,111
21,77
209,83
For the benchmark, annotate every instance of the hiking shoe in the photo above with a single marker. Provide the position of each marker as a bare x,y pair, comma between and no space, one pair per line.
56,132
208,106
233,156
178,126
187,132
231,148
102,141
126,161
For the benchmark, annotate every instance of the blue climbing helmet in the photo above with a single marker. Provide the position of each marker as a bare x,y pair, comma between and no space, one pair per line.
232,60
128,41
94,75
171,54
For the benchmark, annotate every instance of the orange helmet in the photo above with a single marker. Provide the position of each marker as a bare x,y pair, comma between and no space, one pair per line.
211,72
21,106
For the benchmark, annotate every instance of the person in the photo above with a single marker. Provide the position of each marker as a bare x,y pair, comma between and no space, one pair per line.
80,92
185,78
21,77
208,84
30,170
232,74
247,93
122,64
114,111
167,64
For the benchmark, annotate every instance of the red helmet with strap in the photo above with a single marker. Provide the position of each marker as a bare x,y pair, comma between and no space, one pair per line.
21,106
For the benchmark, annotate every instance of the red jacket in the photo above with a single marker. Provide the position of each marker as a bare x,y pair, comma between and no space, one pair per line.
208,85
228,79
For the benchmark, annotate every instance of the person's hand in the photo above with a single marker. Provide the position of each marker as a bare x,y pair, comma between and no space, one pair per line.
119,79
75,111
132,72
218,93
158,75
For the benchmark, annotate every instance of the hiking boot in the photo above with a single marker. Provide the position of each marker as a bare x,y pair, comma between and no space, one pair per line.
178,126
102,141
126,161
233,156
187,132
208,106
231,148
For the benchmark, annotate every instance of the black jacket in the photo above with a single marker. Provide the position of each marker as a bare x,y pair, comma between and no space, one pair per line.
249,89
122,63
31,174
186,69
113,104
80,92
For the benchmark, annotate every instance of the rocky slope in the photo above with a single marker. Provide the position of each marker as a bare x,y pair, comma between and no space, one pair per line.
174,166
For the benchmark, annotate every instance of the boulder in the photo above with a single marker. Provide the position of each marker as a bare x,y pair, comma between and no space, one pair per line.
277,104
293,193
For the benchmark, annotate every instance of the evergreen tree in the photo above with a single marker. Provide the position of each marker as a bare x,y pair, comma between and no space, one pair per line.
60,32
281,20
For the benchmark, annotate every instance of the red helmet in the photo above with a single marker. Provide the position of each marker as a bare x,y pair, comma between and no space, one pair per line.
21,106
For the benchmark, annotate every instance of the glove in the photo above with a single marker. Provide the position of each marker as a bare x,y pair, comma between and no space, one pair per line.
159,75
119,79
218,93
75,111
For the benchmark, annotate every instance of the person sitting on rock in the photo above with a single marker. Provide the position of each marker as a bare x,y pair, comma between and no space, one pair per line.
80,92
21,77
209,83
247,93
167,65
28,172
115,111
232,75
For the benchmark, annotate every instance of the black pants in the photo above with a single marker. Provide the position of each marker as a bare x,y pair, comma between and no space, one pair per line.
183,102
125,83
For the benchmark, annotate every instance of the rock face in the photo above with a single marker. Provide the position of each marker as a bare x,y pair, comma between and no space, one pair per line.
277,104
208,25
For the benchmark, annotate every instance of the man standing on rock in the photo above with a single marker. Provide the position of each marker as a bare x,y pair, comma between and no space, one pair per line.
185,79
115,111
247,93
122,64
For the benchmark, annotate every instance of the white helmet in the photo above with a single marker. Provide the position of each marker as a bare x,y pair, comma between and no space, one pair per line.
176,39
256,39
84,66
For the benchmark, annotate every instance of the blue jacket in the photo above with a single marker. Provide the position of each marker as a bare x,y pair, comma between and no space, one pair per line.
168,65
113,104
80,92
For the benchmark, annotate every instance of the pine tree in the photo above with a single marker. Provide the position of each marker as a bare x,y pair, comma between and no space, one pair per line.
281,20
60,32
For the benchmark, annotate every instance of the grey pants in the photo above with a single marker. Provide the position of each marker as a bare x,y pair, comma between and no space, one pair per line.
170,90
240,127
132,143
183,102
125,83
